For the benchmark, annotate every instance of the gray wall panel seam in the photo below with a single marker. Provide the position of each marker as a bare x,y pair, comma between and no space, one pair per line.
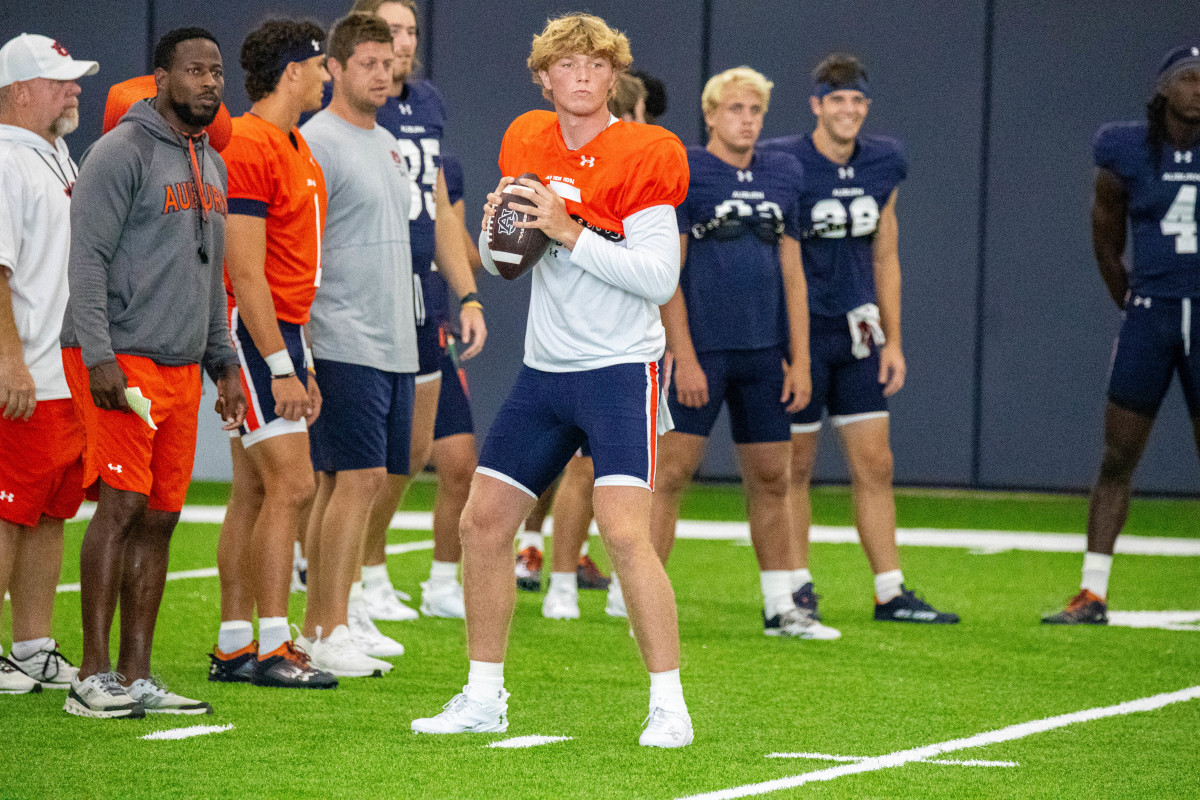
989,33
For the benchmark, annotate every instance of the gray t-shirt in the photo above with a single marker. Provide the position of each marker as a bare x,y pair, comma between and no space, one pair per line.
363,310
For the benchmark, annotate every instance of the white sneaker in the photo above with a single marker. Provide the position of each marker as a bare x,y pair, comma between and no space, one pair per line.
383,602
796,623
615,607
101,696
666,729
338,655
14,680
466,715
442,598
299,576
156,698
369,638
561,604
48,667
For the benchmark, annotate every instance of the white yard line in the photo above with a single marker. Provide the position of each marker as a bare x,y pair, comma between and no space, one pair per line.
186,733
529,741
901,757
948,761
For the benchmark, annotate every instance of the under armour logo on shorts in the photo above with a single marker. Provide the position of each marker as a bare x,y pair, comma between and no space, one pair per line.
7,497
115,468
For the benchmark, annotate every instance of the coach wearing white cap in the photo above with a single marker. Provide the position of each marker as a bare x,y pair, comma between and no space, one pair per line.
41,438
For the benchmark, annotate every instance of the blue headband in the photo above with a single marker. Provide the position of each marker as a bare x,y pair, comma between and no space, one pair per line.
1179,60
857,85
300,51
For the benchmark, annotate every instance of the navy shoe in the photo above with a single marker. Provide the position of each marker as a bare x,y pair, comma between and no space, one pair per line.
806,600
1084,608
235,667
907,607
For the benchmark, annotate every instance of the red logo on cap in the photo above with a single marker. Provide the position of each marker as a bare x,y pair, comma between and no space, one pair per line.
62,51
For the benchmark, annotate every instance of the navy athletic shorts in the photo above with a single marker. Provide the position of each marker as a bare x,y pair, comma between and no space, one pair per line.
454,403
261,419
750,381
845,386
1157,339
365,421
550,415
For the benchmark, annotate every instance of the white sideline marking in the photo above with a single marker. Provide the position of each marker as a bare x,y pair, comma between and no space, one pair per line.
186,733
901,757
978,541
211,572
949,761
529,741
1167,620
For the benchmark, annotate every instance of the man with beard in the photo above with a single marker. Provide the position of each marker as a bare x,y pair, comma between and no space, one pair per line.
147,307
41,439
1146,179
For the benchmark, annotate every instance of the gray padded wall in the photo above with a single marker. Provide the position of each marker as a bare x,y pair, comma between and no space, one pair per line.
1061,70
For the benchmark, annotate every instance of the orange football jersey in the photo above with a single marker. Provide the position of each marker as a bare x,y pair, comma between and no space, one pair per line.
124,94
273,175
627,168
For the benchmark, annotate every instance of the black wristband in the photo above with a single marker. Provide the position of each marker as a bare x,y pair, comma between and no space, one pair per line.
469,297
283,377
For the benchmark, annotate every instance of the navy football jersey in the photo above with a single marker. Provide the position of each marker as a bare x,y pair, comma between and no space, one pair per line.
732,282
1162,208
840,205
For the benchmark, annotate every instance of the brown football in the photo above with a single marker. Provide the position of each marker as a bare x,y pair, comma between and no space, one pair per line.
514,249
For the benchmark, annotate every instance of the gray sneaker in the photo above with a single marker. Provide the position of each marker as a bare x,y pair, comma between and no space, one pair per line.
101,696
48,667
158,699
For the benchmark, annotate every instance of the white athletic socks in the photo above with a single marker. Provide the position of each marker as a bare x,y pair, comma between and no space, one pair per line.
799,577
564,582
583,550
1096,569
375,576
443,571
272,632
298,556
25,649
887,585
776,591
485,681
531,539
666,691
235,634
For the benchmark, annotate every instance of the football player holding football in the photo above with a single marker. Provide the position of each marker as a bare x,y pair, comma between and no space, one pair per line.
851,261
1146,178
607,202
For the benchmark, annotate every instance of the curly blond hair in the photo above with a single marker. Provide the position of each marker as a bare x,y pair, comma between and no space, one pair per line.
714,90
577,34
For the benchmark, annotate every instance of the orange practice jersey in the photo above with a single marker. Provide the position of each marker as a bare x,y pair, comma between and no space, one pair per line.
627,168
273,175
124,94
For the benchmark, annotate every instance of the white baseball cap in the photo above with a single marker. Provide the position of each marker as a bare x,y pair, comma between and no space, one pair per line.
30,56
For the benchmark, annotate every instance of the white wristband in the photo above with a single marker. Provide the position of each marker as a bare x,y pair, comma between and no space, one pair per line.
280,363
308,357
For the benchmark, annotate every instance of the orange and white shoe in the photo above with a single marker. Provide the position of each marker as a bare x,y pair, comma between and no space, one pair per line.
1085,608
529,569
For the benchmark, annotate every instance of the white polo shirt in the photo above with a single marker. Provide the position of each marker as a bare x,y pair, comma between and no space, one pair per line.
35,238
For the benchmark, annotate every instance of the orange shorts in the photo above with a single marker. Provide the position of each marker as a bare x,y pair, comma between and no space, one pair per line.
41,464
122,449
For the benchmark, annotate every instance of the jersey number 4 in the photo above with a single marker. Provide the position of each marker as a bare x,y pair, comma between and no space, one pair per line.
1180,220
829,217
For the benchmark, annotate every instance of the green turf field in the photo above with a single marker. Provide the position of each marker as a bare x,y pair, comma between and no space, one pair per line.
882,689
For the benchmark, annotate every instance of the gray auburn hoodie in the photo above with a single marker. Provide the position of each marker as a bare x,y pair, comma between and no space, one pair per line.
138,283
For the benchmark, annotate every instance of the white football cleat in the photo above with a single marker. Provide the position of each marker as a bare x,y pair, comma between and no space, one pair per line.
442,598
467,715
48,667
561,604
383,602
796,623
338,655
14,680
666,729
369,638
615,605
156,698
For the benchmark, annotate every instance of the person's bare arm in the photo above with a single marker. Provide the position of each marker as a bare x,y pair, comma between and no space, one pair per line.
1110,209
886,252
18,394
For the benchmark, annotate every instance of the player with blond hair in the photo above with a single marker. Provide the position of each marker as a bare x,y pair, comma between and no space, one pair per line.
592,345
